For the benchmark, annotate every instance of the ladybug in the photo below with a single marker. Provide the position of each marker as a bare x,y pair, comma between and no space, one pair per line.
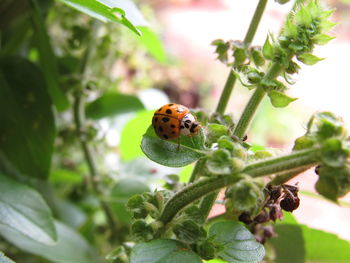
172,120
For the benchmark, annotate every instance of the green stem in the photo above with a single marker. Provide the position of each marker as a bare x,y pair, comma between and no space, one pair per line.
254,102
284,177
290,162
197,170
231,79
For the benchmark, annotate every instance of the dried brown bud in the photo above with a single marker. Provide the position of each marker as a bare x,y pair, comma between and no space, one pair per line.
275,212
290,203
263,217
245,218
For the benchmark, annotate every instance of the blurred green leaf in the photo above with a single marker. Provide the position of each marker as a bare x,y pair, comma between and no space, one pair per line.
65,176
120,194
163,251
48,60
124,12
132,135
300,243
185,173
168,153
279,99
268,49
111,104
309,59
70,246
24,210
152,43
239,245
4,259
69,213
289,244
27,128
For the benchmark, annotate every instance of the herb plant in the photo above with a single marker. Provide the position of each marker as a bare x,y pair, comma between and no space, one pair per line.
58,203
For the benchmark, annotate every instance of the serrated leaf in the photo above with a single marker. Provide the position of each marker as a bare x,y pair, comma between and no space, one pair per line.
4,259
111,104
27,129
279,99
322,39
168,153
163,251
48,60
309,59
238,244
268,49
24,210
124,12
70,246
303,17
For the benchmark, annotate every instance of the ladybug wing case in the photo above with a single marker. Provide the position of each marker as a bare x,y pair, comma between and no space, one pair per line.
166,127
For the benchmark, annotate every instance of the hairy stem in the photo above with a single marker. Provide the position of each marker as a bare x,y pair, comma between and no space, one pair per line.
231,79
290,162
254,102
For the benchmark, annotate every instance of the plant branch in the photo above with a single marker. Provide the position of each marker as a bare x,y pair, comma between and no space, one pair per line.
231,79
290,162
254,101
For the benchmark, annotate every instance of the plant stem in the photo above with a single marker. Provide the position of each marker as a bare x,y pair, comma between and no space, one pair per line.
79,119
197,170
254,102
231,79
290,162
284,177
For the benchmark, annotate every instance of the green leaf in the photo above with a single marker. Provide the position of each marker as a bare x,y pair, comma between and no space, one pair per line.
120,194
299,243
152,43
239,245
48,60
70,246
163,251
24,210
124,12
111,104
168,153
289,244
268,49
318,245
309,59
131,135
279,99
27,129
322,39
4,259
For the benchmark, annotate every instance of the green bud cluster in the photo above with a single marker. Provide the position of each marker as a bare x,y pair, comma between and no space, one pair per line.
247,195
328,132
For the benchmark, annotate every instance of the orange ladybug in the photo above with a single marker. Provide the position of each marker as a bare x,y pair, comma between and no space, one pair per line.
172,120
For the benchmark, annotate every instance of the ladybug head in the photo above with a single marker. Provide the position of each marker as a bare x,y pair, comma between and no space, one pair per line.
189,125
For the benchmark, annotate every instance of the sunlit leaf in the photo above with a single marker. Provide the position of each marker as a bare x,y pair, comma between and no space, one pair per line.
152,43
309,59
169,153
4,259
279,99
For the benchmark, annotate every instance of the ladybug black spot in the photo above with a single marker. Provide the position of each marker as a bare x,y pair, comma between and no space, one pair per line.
165,136
172,126
165,119
160,109
168,111
194,125
171,104
173,132
187,126
182,127
188,121
160,128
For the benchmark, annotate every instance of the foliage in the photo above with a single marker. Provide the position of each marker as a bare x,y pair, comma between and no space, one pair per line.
68,196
